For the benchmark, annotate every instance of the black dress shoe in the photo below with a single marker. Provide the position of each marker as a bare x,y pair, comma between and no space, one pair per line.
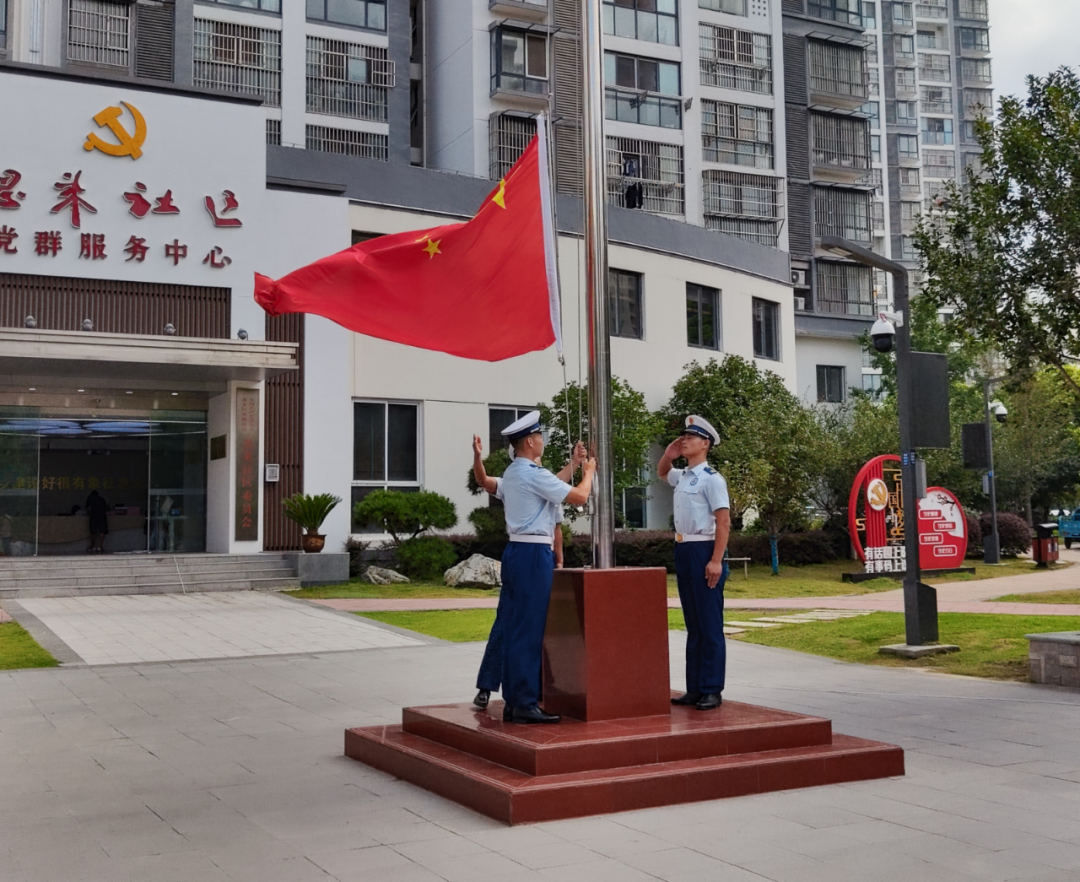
532,715
688,698
710,701
481,700
508,713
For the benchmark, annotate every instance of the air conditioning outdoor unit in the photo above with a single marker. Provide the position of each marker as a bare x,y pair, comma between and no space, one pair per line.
800,303
798,278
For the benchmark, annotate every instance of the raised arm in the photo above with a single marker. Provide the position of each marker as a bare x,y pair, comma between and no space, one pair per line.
566,473
479,472
579,495
672,452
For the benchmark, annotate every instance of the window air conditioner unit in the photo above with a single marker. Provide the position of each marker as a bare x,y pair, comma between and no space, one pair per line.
800,302
798,278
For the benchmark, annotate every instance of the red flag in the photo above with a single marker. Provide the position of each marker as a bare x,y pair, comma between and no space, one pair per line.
485,289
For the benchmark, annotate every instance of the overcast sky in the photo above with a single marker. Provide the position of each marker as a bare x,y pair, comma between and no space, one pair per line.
1031,37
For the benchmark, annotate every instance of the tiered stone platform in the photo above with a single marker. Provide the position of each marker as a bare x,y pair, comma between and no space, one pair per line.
621,745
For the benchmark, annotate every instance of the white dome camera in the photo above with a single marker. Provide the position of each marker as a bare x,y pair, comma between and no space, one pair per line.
883,333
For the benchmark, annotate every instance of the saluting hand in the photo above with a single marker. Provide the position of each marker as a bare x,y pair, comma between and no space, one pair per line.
674,449
477,446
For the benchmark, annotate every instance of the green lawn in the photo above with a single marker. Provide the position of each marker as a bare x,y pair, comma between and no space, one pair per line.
19,650
1045,597
991,646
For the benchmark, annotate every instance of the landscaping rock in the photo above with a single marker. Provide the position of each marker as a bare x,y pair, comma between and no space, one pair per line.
383,576
476,572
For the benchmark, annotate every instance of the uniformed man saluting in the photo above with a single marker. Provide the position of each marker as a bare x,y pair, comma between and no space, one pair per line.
531,499
702,526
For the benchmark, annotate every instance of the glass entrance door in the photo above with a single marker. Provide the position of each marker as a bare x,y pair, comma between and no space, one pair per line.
18,481
178,454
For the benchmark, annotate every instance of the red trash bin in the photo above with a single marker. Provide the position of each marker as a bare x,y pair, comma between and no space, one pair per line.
1044,550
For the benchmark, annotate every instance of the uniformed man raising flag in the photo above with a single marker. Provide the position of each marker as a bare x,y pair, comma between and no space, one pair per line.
702,525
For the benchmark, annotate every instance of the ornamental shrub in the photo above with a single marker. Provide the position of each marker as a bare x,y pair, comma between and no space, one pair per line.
425,557
490,523
405,515
975,536
1014,534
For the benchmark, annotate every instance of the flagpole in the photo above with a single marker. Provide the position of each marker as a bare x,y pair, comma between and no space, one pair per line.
596,276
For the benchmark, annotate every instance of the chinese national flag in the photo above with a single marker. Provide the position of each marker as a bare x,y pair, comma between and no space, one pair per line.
486,289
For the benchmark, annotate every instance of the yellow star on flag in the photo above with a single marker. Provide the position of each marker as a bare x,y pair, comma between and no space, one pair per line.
500,197
432,247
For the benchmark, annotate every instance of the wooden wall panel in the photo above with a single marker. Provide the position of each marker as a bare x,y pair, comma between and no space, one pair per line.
284,436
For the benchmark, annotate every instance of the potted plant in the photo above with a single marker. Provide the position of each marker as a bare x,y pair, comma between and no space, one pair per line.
310,512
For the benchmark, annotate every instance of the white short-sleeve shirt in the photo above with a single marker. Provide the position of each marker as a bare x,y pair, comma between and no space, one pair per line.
532,498
699,493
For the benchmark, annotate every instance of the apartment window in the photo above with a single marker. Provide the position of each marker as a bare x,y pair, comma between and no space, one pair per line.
905,79
975,38
875,81
936,100
846,11
519,61
632,508
937,131
3,23
975,70
358,13
261,5
839,212
978,102
646,175
878,214
973,163
936,193
732,7
748,206
636,88
873,114
907,113
348,79
655,21
498,419
238,58
875,148
907,248
838,69
872,53
766,329
386,450
872,383
624,304
841,141
909,179
734,59
844,288
932,9
968,132
830,383
904,47
939,163
273,132
508,136
928,40
901,14
99,32
907,146
869,16
348,142
909,216
702,316
737,134
875,181
935,67
976,9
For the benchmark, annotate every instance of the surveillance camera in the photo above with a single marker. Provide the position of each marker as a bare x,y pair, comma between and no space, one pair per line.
1001,414
883,333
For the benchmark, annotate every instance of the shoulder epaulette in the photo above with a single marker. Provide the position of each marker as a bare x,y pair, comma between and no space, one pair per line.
709,470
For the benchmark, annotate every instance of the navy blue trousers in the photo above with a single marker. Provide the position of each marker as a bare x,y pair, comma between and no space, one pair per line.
703,610
527,571
490,676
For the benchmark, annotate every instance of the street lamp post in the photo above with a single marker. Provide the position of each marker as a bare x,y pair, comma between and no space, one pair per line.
920,606
992,545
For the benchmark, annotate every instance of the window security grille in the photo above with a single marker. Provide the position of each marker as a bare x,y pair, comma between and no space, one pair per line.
508,136
975,70
348,79
367,145
939,163
846,11
844,288
747,206
838,69
238,58
905,81
844,213
932,9
976,9
647,171
273,132
737,134
935,100
841,141
734,59
935,68
99,32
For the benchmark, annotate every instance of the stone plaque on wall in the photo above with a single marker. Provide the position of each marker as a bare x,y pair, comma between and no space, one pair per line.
247,465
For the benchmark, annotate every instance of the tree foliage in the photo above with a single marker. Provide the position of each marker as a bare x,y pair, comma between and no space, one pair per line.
1006,256
405,515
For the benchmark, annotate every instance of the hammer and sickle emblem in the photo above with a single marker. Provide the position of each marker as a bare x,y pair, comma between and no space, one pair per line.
877,494
130,145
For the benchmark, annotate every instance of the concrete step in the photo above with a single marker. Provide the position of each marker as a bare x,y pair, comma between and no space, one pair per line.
140,561
68,580
176,587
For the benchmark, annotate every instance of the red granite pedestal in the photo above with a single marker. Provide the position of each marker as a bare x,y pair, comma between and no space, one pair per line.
621,745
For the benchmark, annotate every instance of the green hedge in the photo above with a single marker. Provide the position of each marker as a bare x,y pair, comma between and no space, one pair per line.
655,548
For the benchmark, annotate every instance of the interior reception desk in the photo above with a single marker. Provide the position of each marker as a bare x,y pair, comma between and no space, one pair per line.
70,534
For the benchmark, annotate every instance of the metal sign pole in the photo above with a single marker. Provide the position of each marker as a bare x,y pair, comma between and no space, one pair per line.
596,276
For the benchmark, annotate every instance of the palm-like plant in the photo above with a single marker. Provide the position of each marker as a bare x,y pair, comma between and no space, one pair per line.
309,511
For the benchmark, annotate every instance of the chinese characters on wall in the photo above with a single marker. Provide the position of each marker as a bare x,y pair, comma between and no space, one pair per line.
247,465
